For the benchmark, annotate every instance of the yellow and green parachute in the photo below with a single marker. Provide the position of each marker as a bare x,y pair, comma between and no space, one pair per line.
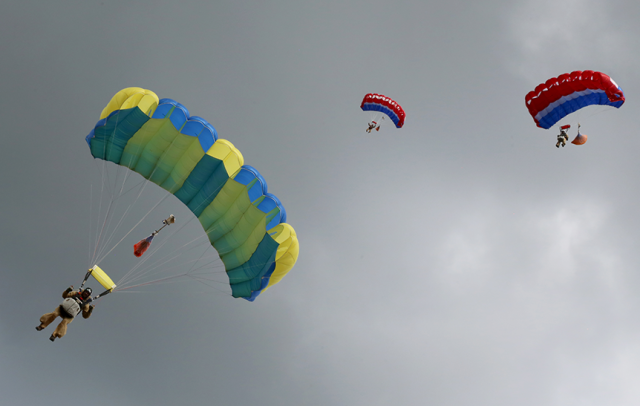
182,154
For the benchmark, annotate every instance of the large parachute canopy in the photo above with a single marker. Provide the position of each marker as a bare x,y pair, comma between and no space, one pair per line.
386,105
158,139
558,97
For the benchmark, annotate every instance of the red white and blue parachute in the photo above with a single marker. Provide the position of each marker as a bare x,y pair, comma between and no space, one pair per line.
384,104
558,97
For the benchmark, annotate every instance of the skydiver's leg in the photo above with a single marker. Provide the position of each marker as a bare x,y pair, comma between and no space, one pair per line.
46,319
61,330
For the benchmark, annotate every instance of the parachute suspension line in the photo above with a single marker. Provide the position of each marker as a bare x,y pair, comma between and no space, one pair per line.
163,260
209,283
101,231
205,281
597,111
150,282
126,279
132,228
199,258
123,217
99,214
130,277
588,113
158,264
200,278
90,222
144,185
138,277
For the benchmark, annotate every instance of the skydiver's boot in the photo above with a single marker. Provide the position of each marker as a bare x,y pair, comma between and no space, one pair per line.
52,338
39,328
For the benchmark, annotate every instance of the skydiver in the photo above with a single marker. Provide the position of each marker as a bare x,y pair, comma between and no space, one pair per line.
75,302
563,137
373,125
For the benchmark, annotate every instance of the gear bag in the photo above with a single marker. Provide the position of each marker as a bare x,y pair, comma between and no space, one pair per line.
71,307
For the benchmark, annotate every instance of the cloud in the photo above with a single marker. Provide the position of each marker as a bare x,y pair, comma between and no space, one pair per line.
575,33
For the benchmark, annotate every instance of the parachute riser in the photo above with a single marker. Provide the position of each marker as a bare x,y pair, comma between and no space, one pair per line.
86,277
105,293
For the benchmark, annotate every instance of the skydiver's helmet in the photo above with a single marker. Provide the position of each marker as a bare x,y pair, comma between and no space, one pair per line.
86,293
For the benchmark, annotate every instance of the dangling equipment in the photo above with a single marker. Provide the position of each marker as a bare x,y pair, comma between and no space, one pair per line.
580,138
141,246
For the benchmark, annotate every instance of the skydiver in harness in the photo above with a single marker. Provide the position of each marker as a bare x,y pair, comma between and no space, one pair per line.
563,137
373,125
74,303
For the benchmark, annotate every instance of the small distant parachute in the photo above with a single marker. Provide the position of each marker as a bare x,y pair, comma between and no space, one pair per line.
558,97
378,103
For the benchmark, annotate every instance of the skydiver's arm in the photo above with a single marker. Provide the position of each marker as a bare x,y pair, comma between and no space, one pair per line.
68,292
87,310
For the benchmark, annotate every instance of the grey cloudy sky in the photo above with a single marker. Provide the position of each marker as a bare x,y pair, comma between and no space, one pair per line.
461,260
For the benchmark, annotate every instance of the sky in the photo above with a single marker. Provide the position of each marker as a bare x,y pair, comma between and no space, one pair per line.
460,260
